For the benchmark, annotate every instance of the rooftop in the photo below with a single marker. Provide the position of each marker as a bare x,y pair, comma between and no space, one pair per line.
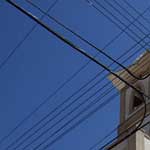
139,68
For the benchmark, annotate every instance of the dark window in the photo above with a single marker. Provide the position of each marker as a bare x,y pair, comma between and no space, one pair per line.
137,100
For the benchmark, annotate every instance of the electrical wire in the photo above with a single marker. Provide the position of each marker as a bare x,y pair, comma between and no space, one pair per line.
133,8
103,139
29,136
75,125
101,148
67,100
48,145
56,91
6,60
88,42
80,51
142,25
69,43
59,88
124,16
109,18
114,130
25,37
19,138
59,106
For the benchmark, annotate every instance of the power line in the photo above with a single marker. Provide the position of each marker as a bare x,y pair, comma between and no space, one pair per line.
120,13
116,138
110,19
65,101
56,91
25,37
102,139
117,3
121,140
95,101
70,121
50,113
75,125
6,60
114,130
68,99
86,41
69,43
79,50
60,87
133,8
72,127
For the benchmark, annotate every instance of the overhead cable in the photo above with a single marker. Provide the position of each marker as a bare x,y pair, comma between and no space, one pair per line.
122,139
80,51
61,86
95,101
127,12
89,43
135,10
113,131
64,102
124,16
6,60
110,19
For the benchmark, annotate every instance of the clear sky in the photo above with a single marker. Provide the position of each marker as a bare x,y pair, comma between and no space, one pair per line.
43,62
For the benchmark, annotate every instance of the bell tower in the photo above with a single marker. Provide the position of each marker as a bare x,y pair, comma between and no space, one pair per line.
132,106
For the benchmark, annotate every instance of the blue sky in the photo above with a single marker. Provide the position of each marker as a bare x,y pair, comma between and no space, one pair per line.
43,62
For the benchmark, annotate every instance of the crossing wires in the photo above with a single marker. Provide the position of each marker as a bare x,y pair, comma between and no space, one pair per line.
6,60
78,71
59,106
83,53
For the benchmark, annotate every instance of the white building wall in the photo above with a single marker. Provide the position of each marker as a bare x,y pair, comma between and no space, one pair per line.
146,143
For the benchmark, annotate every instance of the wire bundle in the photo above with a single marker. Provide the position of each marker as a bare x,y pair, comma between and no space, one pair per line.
95,101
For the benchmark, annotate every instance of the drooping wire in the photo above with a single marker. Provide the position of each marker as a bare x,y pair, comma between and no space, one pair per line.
68,99
64,102
118,26
60,87
6,60
55,116
82,52
54,91
88,42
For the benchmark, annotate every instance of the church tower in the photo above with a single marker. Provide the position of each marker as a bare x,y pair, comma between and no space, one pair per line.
132,107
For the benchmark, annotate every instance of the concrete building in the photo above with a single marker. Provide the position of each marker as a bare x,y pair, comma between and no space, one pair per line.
131,106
